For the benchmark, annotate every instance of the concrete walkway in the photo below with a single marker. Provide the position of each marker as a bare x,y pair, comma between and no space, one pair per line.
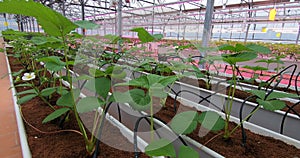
9,137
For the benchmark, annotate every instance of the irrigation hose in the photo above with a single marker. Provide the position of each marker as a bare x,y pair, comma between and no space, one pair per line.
40,131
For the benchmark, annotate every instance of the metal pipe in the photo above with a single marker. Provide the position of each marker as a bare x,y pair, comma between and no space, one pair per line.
119,10
159,5
82,15
297,39
197,14
207,27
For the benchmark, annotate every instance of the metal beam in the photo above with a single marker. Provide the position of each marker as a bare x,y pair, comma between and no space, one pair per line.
207,25
98,7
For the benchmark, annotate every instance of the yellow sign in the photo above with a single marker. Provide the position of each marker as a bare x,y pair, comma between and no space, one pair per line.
278,34
272,14
6,23
264,29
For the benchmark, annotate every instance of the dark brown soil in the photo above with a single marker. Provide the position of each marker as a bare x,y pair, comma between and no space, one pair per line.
67,144
49,141
256,147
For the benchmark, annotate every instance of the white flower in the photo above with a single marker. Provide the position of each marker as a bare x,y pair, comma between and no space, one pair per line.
28,76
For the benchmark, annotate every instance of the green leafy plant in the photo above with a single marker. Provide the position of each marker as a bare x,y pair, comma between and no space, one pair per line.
276,59
145,36
271,101
56,25
185,123
255,69
239,53
145,89
35,91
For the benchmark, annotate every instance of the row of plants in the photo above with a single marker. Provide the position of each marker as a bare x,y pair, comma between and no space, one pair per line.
155,67
33,51
284,50
236,53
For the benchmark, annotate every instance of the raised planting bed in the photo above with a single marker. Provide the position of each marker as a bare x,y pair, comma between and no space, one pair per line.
255,145
51,140
265,118
286,122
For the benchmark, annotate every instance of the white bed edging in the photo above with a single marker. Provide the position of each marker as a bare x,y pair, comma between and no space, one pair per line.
22,133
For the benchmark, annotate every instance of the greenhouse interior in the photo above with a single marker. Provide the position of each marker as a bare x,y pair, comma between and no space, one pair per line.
150,78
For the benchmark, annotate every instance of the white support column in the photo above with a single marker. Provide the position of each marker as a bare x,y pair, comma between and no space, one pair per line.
119,24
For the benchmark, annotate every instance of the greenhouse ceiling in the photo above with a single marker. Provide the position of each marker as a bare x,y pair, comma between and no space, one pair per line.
161,12
181,18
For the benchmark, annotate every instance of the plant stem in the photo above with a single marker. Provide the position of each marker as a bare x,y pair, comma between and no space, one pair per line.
151,117
39,95
235,128
46,101
79,122
231,97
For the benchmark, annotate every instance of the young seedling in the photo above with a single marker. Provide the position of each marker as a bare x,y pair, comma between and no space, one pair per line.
239,53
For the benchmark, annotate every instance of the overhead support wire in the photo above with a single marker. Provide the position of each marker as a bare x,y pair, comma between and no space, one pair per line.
143,8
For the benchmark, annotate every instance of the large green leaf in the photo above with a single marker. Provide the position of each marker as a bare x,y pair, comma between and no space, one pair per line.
165,81
185,122
157,90
161,147
23,85
259,93
271,104
68,99
88,104
122,97
258,48
241,48
53,63
86,24
116,72
103,86
29,91
232,59
40,40
43,40
143,35
276,95
140,99
62,90
26,98
153,79
187,152
137,98
55,114
48,91
211,121
52,22
227,47
138,82
99,85
96,72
